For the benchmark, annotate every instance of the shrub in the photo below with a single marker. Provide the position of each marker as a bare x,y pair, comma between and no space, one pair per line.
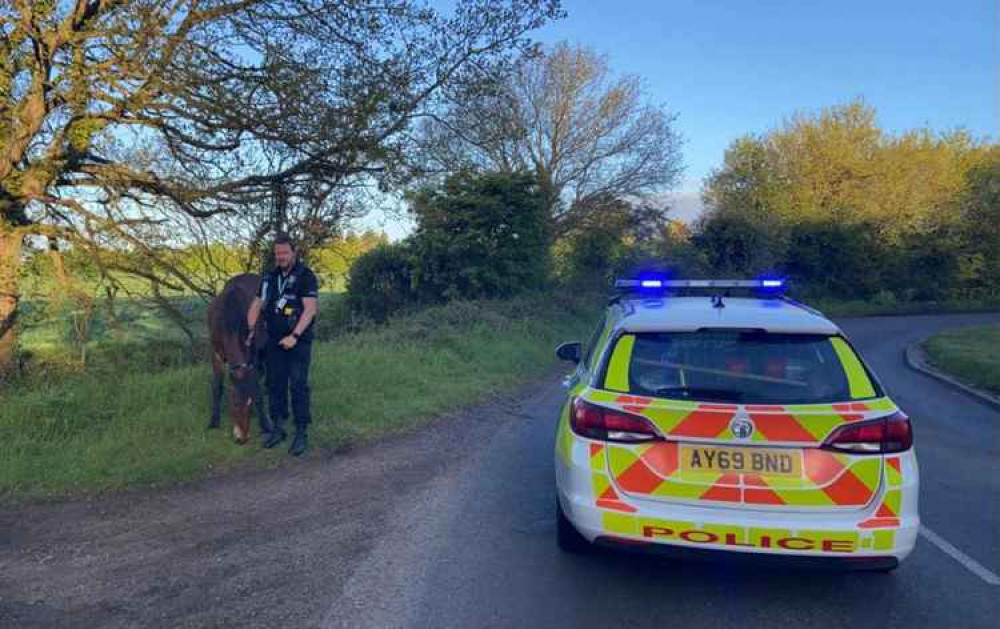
845,260
479,236
738,244
380,281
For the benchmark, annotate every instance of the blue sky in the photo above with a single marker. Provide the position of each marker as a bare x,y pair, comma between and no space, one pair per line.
731,67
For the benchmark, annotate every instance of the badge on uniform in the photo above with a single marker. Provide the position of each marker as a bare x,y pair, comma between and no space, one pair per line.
288,311
280,305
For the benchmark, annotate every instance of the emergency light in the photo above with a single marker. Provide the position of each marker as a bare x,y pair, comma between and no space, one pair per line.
772,284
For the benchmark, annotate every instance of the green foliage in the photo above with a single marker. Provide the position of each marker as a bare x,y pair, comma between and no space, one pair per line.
849,211
618,238
380,281
979,210
672,252
736,244
594,247
836,259
479,236
332,262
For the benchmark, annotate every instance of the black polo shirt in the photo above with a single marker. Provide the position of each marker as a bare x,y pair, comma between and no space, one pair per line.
282,296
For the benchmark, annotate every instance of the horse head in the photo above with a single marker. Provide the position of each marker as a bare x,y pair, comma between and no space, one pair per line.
243,377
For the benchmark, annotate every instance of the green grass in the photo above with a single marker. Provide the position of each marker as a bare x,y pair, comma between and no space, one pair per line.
970,354
107,430
874,308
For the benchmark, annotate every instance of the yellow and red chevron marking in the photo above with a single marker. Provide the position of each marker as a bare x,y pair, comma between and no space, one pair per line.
887,515
789,424
604,492
596,456
830,479
610,500
708,421
758,492
634,403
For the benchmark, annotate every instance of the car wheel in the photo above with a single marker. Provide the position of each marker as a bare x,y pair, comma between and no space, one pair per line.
568,538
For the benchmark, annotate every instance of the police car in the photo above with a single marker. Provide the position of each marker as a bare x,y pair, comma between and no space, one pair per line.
702,419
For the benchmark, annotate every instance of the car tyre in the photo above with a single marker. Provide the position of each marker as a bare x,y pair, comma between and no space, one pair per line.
568,538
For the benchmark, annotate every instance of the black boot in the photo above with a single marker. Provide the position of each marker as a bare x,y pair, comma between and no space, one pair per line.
276,436
300,443
266,427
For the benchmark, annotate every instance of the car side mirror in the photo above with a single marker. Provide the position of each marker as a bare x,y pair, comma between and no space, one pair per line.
570,351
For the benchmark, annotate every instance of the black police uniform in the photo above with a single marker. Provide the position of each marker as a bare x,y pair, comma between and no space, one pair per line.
288,369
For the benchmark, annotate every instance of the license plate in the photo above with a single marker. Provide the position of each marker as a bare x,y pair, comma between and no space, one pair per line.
763,461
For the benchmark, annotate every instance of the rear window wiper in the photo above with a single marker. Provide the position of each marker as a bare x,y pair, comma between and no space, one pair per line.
700,393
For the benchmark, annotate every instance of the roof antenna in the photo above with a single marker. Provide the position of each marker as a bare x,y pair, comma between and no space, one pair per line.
717,301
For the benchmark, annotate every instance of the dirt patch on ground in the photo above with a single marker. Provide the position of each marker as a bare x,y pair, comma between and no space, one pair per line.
253,548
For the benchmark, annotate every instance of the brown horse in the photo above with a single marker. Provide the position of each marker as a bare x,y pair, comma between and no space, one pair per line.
227,324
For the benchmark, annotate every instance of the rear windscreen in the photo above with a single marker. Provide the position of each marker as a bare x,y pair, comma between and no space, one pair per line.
743,367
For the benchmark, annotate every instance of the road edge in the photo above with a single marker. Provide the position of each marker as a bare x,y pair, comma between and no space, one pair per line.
916,359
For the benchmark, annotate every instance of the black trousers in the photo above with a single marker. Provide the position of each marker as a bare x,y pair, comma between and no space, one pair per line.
288,372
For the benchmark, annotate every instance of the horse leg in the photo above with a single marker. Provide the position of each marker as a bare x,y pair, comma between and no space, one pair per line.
218,369
258,401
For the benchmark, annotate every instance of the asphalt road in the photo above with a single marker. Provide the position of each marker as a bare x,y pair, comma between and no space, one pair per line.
476,549
453,526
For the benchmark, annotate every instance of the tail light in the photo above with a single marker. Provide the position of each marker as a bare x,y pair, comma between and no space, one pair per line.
880,436
596,422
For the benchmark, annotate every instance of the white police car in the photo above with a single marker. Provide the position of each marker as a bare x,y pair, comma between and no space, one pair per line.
745,424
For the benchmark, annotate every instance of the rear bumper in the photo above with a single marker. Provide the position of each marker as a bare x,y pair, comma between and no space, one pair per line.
838,538
804,562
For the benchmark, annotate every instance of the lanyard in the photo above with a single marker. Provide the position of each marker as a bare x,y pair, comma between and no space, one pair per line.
282,282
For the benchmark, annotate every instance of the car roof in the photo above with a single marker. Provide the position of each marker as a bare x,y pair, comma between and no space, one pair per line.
689,314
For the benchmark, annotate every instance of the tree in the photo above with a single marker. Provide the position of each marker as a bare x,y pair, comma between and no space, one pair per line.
586,134
979,209
118,116
607,240
479,236
741,230
844,206
333,261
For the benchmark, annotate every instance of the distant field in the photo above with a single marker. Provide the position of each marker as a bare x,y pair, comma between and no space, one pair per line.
970,354
145,339
115,428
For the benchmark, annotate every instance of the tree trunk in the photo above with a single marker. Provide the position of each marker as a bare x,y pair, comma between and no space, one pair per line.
10,270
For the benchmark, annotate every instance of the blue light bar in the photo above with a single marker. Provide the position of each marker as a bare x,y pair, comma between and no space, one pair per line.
768,283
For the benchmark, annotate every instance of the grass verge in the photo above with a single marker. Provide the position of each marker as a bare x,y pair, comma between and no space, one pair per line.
105,431
875,308
970,354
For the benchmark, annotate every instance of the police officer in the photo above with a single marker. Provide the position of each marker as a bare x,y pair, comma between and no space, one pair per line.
287,298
